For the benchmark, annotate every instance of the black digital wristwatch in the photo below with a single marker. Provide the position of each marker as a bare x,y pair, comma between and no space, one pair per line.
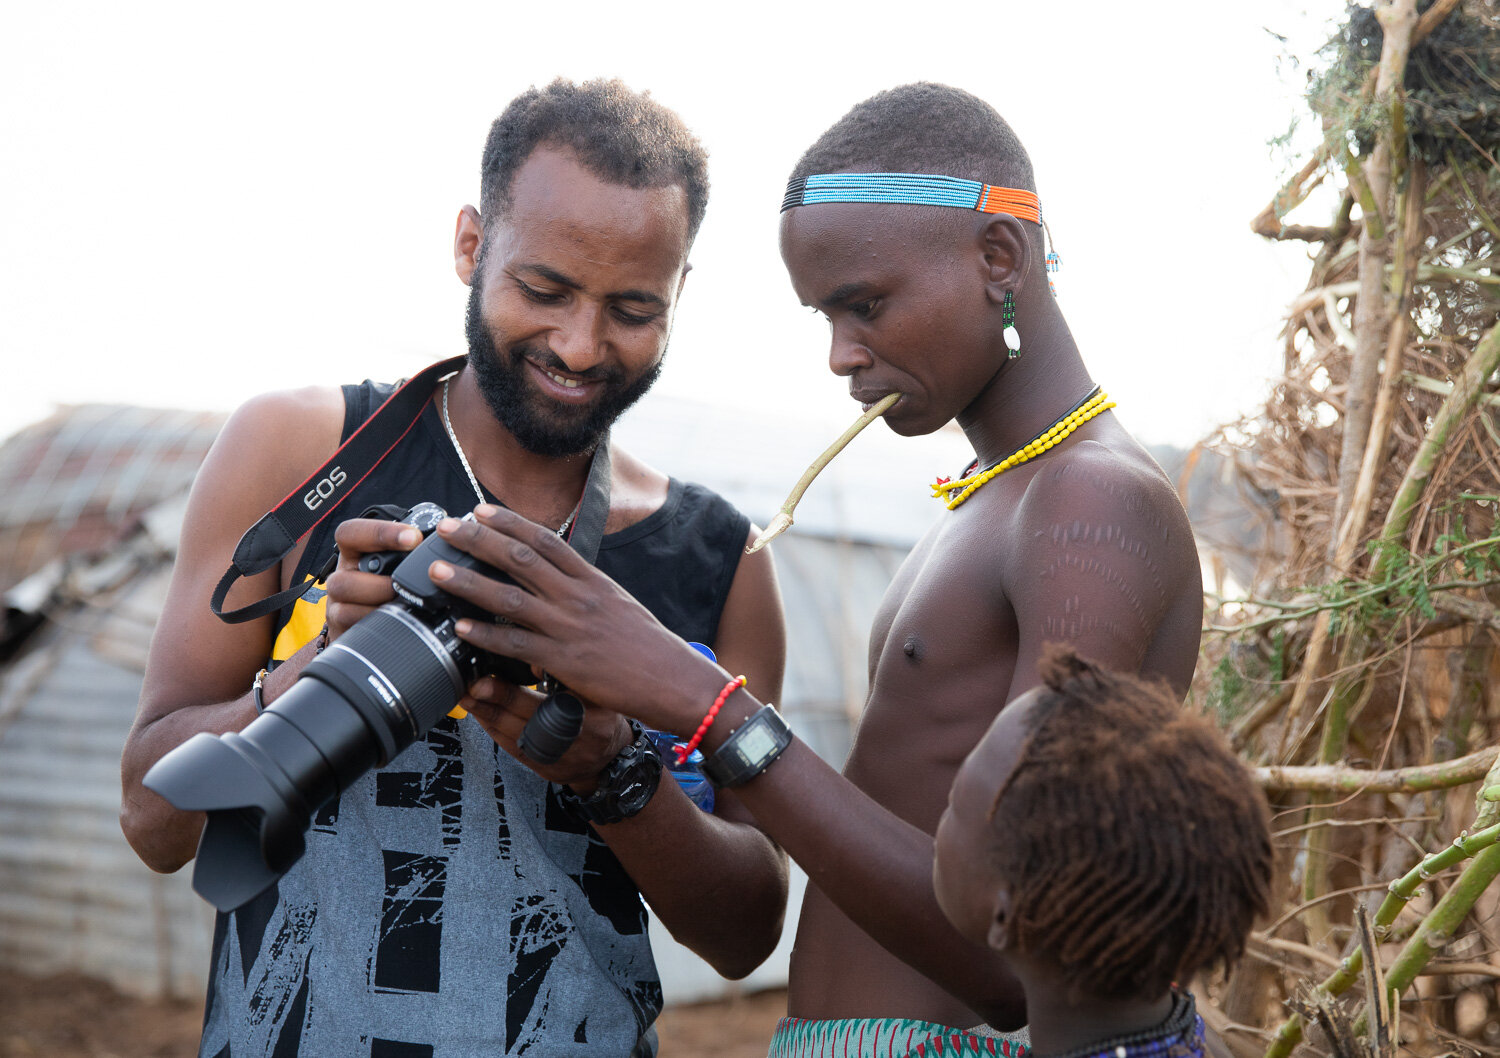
750,750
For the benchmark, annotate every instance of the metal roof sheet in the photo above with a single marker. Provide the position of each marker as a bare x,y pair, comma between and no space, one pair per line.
75,480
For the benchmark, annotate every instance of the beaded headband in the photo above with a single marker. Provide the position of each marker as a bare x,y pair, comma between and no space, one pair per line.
920,189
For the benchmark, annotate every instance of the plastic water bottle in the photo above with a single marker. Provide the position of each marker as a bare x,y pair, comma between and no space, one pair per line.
689,774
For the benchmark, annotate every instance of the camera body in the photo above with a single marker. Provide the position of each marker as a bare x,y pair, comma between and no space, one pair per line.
433,606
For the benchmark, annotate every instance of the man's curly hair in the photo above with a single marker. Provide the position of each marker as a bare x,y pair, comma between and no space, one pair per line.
1136,845
621,136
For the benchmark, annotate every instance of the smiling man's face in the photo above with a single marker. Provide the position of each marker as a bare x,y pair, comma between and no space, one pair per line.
571,304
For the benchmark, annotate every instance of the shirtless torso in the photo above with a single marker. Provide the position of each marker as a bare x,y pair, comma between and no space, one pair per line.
946,635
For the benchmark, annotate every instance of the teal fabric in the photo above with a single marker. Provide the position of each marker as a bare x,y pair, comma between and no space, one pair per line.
890,1038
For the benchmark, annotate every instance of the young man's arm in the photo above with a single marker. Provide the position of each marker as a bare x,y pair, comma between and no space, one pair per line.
873,865
200,670
604,644
716,881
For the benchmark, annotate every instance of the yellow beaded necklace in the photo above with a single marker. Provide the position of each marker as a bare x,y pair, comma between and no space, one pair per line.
1094,404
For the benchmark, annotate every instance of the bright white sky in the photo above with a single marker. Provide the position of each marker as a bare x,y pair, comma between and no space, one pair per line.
202,201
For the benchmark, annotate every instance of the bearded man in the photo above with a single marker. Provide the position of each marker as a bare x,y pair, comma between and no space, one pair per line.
463,900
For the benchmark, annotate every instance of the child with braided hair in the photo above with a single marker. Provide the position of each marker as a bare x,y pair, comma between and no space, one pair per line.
1108,845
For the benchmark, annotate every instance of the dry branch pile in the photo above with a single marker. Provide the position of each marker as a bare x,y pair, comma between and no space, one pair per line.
1367,642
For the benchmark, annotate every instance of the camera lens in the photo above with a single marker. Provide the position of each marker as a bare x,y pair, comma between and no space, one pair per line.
371,694
375,691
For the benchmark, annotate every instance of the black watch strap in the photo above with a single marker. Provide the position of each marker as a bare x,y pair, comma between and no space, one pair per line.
750,750
626,785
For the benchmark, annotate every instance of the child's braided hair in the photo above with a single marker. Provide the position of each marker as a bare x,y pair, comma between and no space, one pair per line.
1137,847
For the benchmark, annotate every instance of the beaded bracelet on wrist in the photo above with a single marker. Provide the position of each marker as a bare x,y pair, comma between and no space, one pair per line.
686,750
257,690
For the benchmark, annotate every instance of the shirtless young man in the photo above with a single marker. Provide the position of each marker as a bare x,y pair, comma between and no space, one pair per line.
1085,544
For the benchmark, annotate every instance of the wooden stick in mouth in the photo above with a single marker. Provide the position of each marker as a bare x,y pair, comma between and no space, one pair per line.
783,517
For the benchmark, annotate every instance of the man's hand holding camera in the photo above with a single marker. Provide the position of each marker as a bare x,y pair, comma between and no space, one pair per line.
353,593
502,708
574,622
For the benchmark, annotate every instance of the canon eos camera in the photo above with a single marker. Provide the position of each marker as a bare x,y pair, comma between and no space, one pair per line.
376,690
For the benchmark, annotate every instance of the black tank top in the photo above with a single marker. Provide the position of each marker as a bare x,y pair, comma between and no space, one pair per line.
678,561
446,905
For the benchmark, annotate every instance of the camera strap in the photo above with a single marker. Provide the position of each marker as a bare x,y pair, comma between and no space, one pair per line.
269,540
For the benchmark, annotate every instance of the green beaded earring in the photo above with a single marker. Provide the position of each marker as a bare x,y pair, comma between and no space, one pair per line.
1008,321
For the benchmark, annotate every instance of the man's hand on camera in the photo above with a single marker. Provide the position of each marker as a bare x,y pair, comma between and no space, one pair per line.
502,709
571,620
352,593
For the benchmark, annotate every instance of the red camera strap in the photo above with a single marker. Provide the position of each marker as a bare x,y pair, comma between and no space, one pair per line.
267,541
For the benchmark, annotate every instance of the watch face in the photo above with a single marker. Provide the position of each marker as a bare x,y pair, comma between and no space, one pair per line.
756,744
632,787
749,750
636,785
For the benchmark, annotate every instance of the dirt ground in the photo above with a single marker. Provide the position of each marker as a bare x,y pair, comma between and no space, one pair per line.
69,1016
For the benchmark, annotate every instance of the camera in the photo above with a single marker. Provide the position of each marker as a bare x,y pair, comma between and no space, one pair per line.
373,692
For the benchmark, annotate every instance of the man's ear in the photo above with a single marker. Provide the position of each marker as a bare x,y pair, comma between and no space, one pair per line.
686,268
998,936
467,238
1005,251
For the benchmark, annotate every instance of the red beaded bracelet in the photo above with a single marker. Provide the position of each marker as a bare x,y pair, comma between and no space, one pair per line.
686,751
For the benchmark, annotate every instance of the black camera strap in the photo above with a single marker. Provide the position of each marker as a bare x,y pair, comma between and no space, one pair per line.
269,540
587,529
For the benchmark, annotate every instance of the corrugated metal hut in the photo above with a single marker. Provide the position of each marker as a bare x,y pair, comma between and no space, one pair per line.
87,530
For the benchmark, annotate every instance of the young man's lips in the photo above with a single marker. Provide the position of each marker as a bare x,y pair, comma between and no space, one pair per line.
868,401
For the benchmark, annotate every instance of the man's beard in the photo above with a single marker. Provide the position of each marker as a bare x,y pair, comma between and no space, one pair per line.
541,427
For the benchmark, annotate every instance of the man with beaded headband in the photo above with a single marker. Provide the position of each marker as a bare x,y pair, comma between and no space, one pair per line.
1109,846
913,225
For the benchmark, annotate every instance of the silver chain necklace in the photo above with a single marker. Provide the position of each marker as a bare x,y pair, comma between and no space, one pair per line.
562,530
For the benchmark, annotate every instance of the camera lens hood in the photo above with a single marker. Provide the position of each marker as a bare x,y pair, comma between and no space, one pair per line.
255,822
